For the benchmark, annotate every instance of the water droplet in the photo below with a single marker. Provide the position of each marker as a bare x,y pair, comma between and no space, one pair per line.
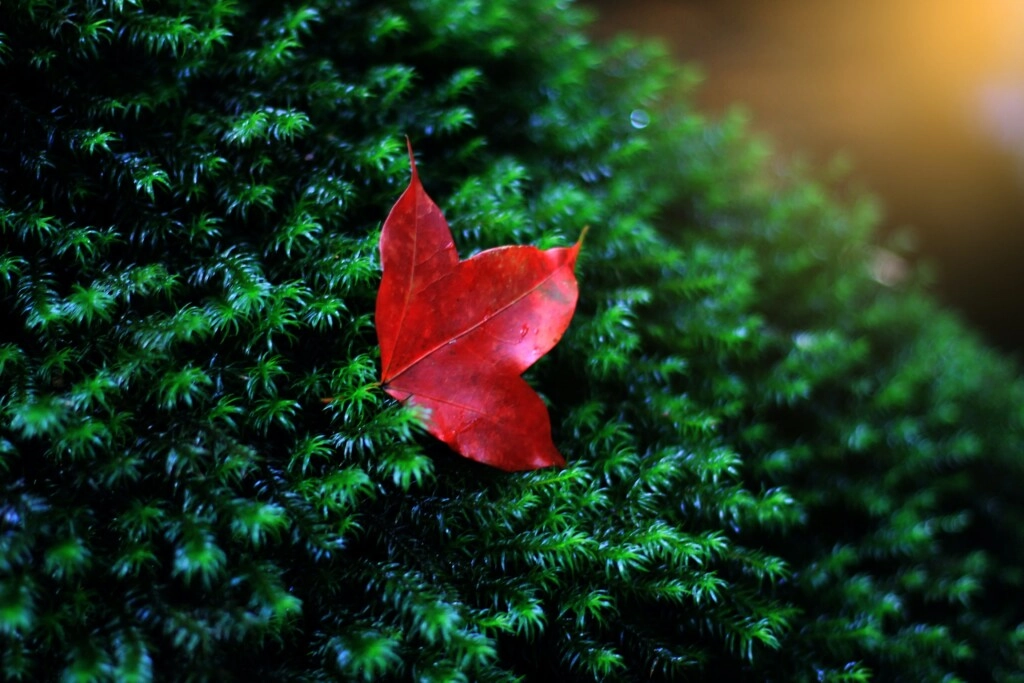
639,118
524,331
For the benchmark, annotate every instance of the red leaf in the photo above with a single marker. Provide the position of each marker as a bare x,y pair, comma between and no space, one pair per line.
455,336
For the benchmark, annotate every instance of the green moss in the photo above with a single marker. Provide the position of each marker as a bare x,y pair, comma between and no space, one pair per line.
779,468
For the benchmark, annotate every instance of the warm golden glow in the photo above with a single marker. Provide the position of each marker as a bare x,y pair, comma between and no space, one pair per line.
924,94
926,97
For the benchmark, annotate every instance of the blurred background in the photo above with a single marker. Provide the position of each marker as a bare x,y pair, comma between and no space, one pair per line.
925,97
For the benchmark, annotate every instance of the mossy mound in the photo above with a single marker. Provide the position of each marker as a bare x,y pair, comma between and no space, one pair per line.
779,469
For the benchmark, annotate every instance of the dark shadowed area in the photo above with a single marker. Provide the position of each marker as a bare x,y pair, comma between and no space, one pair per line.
925,97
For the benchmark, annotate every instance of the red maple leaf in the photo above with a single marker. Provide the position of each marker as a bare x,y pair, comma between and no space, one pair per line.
455,336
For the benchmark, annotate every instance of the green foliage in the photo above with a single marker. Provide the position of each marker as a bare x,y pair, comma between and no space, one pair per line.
779,469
